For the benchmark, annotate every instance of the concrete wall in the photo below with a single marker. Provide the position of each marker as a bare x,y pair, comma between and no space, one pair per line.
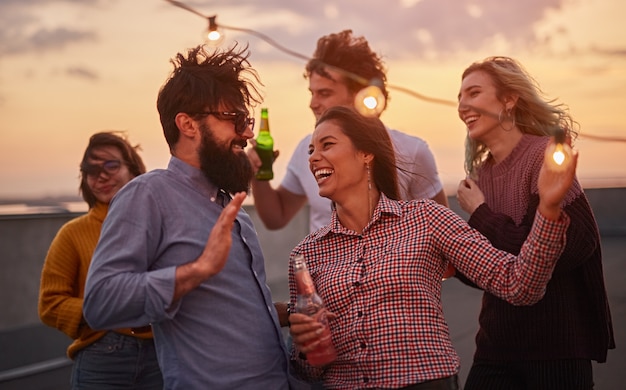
24,241
609,207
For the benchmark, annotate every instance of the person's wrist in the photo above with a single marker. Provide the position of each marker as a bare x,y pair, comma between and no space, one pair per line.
476,206
289,311
550,212
284,310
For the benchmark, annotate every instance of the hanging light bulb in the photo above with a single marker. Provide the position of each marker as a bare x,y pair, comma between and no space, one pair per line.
559,154
370,101
214,35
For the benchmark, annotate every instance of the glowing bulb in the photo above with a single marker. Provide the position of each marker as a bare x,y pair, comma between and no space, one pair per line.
214,36
370,101
558,155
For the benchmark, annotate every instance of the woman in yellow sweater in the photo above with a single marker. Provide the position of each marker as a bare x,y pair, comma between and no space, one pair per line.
121,358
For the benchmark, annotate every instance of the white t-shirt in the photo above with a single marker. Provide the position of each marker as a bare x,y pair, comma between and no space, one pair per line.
412,155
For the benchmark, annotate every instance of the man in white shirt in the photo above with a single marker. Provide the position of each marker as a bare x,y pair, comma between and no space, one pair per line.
417,171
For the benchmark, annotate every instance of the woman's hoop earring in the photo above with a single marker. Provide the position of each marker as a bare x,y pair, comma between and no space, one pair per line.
508,115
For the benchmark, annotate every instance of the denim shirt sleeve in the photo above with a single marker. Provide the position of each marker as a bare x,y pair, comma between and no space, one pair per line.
122,289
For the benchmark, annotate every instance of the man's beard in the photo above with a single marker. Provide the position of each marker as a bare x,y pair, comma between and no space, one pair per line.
228,171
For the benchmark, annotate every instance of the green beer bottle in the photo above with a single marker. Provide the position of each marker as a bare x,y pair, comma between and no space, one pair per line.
265,148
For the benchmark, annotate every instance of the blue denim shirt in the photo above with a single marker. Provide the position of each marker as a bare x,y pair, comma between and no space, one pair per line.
225,333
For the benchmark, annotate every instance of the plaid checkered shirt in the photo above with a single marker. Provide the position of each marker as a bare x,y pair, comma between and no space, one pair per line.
384,286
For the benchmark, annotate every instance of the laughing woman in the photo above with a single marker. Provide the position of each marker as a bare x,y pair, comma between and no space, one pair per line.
550,345
379,263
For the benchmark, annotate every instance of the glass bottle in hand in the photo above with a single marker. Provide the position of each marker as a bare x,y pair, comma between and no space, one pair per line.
265,148
310,303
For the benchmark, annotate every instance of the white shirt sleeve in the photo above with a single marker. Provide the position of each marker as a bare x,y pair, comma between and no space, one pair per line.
417,177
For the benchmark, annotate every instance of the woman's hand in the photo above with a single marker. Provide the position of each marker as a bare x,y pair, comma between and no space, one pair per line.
553,185
469,195
305,331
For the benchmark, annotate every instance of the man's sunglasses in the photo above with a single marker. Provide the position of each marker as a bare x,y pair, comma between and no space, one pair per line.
110,167
239,118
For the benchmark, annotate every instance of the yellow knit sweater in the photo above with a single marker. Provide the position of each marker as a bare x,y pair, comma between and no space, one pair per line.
63,279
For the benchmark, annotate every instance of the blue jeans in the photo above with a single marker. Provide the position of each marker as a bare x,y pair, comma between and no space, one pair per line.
117,361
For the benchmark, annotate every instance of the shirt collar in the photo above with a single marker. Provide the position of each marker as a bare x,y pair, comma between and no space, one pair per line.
194,177
385,206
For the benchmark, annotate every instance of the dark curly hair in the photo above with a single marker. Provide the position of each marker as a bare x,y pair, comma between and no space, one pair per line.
201,81
347,52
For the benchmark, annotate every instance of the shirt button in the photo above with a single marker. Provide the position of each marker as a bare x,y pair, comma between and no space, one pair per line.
359,314
366,379
362,345
356,284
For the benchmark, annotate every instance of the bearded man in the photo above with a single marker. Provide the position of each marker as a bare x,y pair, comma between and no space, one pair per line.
178,254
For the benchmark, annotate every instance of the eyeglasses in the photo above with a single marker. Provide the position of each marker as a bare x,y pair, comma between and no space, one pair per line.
111,167
239,118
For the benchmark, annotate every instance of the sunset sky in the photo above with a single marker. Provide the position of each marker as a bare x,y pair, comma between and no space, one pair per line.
71,68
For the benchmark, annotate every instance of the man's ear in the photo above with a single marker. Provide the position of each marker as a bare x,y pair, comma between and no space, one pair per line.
186,125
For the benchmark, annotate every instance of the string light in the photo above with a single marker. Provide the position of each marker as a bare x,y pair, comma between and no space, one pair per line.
370,99
214,36
559,155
